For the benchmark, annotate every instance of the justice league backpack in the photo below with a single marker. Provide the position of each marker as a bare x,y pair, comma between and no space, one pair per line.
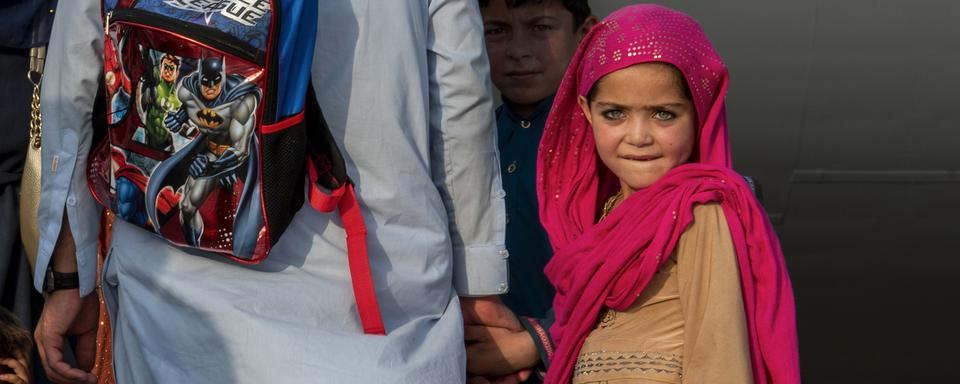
211,126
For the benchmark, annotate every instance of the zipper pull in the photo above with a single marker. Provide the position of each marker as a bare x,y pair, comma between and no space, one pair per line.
106,23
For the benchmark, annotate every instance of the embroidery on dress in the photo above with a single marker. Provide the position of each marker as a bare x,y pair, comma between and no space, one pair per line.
630,361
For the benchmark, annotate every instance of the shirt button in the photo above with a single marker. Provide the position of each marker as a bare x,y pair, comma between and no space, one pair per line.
503,288
71,201
525,123
512,167
504,253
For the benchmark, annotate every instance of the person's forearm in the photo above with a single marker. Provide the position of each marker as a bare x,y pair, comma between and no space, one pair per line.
74,63
64,258
463,147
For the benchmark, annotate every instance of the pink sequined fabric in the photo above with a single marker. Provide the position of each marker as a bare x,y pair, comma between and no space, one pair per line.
607,264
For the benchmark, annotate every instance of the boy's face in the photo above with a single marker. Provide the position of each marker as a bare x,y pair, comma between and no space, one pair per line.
530,47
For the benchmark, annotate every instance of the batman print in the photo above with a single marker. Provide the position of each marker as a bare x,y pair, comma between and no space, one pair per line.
222,108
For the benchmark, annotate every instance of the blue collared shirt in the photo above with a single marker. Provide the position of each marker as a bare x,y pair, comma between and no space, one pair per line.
414,118
519,137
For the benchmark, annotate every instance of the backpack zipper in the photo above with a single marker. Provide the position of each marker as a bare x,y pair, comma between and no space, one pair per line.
270,107
200,34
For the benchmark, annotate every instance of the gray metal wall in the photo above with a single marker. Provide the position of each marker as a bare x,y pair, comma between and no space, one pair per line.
846,112
852,89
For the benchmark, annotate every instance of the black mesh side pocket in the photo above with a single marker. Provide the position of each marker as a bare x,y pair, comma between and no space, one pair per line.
283,173
322,148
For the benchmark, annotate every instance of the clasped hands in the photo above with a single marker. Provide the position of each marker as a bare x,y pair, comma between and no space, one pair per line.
499,349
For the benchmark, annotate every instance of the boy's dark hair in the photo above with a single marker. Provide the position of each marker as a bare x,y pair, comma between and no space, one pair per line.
579,8
13,337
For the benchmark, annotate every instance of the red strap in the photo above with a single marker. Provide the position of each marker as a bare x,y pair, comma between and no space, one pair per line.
320,200
345,199
283,124
324,202
360,275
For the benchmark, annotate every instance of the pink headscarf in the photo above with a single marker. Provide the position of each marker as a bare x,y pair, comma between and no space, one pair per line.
608,264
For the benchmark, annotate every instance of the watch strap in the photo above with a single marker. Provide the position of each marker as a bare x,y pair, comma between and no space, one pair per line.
60,280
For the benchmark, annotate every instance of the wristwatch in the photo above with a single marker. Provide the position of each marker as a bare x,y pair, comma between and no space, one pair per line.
58,280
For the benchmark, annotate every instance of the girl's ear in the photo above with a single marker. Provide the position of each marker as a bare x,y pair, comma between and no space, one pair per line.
585,107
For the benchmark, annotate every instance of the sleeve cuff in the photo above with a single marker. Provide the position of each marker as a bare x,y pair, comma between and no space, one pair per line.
83,213
541,338
481,271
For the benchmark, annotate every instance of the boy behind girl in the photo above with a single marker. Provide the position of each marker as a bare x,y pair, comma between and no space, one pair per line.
529,43
15,346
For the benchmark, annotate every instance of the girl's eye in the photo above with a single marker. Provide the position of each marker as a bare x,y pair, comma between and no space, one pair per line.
613,114
664,115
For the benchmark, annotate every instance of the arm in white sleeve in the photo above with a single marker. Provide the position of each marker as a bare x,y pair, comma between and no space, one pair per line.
73,67
463,146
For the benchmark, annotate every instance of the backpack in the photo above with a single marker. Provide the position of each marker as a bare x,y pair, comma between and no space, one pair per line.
211,126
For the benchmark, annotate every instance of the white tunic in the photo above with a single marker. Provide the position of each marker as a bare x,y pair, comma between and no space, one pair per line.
403,85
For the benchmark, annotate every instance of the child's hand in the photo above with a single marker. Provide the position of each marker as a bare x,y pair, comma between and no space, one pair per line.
19,368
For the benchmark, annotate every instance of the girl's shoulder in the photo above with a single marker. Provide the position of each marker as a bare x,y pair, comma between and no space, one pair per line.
707,215
708,234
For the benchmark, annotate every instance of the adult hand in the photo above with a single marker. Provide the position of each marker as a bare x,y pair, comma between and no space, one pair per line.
493,351
18,368
488,311
65,313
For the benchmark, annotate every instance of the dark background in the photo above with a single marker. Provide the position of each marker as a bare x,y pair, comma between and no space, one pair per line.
846,113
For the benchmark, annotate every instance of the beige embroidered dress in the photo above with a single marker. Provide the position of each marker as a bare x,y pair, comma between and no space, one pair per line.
688,325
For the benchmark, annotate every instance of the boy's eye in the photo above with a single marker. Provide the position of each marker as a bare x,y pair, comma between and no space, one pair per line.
494,31
664,115
542,28
613,114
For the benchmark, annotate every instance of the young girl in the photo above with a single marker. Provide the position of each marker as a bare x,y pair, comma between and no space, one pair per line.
15,349
666,266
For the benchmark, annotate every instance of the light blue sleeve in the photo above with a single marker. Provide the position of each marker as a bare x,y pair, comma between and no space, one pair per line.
463,146
73,67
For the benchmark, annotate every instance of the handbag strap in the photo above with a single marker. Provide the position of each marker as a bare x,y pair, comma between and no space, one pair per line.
38,56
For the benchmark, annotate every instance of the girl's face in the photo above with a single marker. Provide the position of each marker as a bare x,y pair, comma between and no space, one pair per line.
643,123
